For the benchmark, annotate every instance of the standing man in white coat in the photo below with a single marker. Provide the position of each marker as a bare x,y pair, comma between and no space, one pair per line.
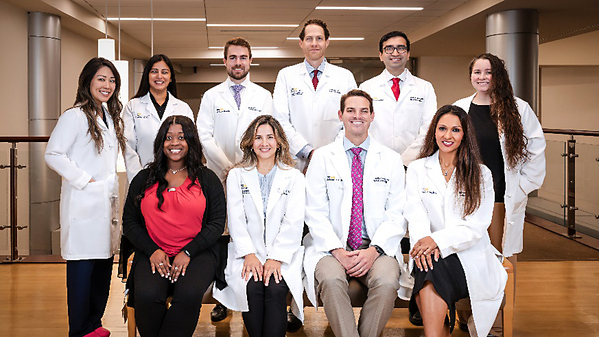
227,109
404,103
306,96
354,210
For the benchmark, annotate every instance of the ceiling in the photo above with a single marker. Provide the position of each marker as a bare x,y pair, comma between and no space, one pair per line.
443,27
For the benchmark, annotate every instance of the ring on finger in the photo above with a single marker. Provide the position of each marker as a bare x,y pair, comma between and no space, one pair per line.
161,264
176,268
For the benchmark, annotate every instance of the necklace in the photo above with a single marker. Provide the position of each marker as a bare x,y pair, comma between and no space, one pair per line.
177,171
446,168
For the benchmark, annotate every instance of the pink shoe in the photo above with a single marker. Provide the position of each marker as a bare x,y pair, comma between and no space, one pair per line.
102,332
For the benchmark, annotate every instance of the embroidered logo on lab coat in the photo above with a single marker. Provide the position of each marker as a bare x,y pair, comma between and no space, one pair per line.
376,99
380,180
139,115
296,92
286,192
333,178
221,110
425,190
244,189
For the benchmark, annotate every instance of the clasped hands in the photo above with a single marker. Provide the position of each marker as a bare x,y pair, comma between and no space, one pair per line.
423,253
358,262
253,266
160,262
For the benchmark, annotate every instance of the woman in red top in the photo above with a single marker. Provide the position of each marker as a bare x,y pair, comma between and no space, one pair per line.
173,216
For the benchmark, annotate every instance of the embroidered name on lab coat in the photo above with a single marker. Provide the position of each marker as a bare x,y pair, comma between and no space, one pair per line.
416,99
376,99
286,192
221,110
244,189
333,178
296,92
253,108
139,115
335,91
427,191
381,180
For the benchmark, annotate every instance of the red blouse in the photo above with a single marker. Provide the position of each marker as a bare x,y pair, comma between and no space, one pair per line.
180,219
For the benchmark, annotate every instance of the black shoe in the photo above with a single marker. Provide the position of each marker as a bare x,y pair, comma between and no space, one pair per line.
415,318
218,313
293,323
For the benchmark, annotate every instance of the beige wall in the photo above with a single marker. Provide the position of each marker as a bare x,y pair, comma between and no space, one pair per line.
448,75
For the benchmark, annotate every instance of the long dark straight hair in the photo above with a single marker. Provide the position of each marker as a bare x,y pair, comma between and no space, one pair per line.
468,173
85,101
144,85
159,167
504,110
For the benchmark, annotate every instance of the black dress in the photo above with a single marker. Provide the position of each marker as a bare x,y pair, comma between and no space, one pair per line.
489,145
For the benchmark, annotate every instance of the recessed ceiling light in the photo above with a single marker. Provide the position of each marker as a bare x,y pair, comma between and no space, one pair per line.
248,25
252,47
222,64
371,8
159,19
335,38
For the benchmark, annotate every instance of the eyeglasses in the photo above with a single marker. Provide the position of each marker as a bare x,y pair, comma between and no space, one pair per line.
400,49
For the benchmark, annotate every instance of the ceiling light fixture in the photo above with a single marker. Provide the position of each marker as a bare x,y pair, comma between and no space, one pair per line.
371,8
160,19
335,38
248,25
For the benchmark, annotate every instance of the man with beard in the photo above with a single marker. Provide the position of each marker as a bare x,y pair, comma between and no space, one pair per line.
227,109
225,112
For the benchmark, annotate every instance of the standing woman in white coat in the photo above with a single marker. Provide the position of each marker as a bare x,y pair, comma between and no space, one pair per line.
155,100
265,203
449,208
512,146
83,150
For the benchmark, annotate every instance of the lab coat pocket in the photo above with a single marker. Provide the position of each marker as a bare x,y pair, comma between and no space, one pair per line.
91,202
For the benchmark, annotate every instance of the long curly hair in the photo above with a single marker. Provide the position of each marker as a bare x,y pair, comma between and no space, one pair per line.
159,166
504,110
85,101
468,173
282,155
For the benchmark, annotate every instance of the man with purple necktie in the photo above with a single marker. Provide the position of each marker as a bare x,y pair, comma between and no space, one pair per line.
354,210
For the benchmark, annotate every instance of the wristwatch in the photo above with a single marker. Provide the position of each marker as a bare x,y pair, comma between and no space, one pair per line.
379,250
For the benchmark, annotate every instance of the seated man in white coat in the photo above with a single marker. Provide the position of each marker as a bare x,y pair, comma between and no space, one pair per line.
227,109
306,95
354,210
404,103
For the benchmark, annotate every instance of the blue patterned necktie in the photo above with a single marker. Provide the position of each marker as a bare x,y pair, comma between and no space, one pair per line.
236,94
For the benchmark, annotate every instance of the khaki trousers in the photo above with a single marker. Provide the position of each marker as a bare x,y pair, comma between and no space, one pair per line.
382,281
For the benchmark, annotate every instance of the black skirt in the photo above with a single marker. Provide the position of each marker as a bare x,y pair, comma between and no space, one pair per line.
449,281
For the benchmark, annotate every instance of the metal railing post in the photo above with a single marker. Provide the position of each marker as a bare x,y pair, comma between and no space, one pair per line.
13,167
571,206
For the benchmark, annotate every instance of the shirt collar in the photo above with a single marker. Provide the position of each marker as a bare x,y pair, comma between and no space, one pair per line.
401,76
320,67
347,144
244,83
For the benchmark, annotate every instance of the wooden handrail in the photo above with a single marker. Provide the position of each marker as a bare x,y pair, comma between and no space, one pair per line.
572,132
23,139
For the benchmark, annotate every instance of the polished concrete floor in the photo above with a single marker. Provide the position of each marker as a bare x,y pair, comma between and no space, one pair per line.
552,299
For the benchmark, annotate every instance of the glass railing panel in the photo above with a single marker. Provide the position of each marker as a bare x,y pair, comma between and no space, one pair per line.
587,186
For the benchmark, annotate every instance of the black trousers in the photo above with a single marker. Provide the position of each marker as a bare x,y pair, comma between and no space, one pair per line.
268,309
88,286
151,291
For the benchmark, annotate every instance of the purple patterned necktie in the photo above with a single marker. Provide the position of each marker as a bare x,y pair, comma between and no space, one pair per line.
354,238
237,89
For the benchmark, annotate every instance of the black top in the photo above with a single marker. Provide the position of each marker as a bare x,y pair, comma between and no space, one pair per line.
136,237
159,108
488,143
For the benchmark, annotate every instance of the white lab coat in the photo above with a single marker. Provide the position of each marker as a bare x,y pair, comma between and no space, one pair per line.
329,190
523,179
141,126
310,116
401,125
432,209
282,241
86,209
221,125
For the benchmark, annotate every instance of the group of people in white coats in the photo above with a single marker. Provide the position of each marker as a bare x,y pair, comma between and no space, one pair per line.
462,206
